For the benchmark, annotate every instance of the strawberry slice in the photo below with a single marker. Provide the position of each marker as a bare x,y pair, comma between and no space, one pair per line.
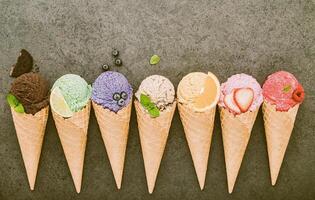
243,98
230,103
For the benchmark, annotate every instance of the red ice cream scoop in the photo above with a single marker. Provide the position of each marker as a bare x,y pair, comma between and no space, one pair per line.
283,90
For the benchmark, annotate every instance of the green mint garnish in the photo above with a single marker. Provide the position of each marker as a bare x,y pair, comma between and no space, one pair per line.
19,108
155,59
286,88
12,100
14,103
149,106
145,100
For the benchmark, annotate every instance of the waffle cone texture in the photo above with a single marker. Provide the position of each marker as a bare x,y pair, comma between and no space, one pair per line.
236,130
198,127
153,137
278,129
73,135
30,130
114,128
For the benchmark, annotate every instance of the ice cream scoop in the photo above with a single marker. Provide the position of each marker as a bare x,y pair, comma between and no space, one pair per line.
159,89
75,91
112,90
199,91
240,93
32,91
283,90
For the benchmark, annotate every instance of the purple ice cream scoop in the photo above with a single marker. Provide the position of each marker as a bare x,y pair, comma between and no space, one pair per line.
112,91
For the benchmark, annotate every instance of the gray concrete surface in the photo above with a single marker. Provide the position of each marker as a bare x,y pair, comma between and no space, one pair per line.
222,36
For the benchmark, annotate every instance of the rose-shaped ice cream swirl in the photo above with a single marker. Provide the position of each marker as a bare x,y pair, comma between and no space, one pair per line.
112,91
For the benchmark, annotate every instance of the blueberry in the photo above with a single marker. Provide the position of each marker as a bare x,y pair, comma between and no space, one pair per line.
121,102
116,96
118,62
124,95
115,52
105,67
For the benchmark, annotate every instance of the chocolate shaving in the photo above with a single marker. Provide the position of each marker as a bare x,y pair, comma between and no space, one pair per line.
23,65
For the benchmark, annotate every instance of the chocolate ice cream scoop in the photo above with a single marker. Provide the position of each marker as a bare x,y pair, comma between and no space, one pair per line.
32,91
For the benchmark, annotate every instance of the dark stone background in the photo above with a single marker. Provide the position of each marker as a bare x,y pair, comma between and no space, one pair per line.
221,36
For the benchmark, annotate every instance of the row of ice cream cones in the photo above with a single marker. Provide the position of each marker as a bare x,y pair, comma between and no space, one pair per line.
198,95
114,128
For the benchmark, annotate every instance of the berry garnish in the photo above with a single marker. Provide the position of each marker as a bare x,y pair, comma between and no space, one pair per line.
298,94
230,103
116,96
243,97
121,102
118,62
105,67
115,52
124,95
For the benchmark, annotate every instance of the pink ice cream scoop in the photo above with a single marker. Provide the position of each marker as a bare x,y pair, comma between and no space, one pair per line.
283,90
241,93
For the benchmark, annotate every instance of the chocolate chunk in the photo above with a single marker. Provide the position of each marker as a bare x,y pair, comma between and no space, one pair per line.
23,65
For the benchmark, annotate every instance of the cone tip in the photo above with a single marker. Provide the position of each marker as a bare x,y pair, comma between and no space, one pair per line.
151,190
273,182
78,188
230,187
202,186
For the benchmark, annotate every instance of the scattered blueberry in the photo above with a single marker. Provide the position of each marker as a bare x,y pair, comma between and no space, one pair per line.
124,95
115,52
116,96
121,102
118,62
105,67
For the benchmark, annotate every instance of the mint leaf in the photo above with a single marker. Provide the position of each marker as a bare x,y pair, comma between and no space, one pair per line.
286,88
19,108
149,106
145,100
12,100
154,112
155,59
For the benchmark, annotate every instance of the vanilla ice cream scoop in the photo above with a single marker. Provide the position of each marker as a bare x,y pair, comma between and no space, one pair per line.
199,91
160,90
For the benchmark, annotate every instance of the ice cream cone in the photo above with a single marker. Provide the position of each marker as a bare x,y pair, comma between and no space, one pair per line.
198,127
236,130
73,135
153,136
114,129
30,130
278,128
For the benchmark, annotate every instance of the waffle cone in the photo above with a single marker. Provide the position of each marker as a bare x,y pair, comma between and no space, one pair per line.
235,133
30,130
278,128
198,127
114,129
73,135
153,136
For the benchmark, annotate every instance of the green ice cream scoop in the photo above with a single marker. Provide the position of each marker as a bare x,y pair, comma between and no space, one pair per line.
75,90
